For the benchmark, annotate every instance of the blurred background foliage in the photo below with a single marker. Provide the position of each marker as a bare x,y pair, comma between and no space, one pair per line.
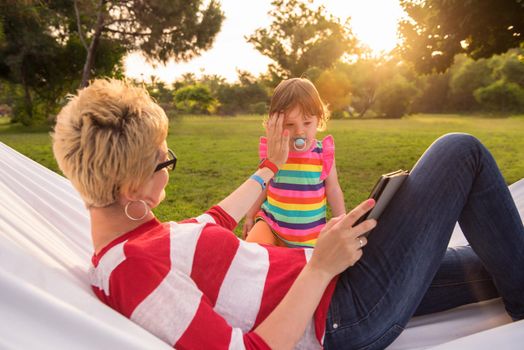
455,57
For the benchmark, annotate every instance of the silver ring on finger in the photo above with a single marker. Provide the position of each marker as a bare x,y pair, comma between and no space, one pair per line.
360,242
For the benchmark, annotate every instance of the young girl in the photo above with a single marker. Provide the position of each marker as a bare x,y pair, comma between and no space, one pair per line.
292,209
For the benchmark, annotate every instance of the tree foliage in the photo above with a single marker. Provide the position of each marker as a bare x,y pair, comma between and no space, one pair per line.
2,34
195,99
501,96
248,95
504,92
366,77
492,85
301,38
213,94
160,29
334,86
467,75
433,93
161,92
37,55
395,95
437,30
373,87
43,43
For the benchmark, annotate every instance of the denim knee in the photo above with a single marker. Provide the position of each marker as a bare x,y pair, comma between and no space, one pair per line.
459,140
461,145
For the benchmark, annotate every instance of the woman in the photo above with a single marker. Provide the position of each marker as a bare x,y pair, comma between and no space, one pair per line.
197,286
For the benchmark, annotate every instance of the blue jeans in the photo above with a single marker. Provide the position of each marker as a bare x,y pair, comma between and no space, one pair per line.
407,269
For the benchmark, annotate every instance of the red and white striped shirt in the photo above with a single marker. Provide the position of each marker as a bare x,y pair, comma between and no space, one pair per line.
195,285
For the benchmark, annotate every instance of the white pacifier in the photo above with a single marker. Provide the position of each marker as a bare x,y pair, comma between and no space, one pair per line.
300,143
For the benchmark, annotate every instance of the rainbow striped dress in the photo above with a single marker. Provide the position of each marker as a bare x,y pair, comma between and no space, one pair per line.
295,207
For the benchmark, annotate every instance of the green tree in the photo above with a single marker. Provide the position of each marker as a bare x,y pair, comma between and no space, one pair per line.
248,95
493,84
365,75
252,93
162,93
214,82
300,38
160,29
376,87
467,75
395,95
194,99
501,96
434,91
506,93
510,66
7,95
334,86
437,30
185,80
2,34
37,55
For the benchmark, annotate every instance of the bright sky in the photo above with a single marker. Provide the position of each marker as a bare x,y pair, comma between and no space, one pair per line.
374,22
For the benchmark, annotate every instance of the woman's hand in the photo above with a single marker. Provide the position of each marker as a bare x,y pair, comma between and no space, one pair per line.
248,225
277,140
337,248
339,243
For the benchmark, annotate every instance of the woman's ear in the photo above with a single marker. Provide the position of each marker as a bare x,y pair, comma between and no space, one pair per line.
128,195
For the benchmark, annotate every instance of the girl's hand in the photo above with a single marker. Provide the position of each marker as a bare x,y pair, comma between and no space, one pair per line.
339,245
277,140
248,225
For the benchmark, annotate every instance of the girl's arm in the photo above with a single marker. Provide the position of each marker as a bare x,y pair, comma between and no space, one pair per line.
334,194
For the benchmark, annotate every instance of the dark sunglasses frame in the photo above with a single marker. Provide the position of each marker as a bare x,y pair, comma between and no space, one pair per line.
170,164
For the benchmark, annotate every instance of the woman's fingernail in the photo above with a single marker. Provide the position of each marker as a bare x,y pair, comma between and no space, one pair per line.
370,202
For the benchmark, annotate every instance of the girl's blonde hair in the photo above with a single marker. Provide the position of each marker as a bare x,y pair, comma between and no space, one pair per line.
302,93
107,139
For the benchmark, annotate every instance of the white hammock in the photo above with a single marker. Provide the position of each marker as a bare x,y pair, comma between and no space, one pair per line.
46,301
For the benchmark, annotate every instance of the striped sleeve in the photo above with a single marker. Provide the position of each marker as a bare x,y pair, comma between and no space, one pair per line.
215,215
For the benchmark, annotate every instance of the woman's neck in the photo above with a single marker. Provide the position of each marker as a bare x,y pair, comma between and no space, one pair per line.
110,223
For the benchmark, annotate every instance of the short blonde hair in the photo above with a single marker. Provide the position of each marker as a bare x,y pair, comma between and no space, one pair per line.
107,138
299,92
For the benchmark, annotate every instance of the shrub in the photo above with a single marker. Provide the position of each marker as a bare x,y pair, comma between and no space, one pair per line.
195,99
395,96
258,108
501,96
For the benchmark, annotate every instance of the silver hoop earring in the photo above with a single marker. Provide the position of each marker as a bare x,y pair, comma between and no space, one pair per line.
140,218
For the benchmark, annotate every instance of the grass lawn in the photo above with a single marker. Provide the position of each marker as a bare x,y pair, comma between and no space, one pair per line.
217,154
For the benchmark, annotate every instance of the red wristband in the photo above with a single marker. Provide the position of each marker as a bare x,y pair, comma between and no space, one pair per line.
266,163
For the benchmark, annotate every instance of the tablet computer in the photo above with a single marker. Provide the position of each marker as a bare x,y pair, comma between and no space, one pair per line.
383,191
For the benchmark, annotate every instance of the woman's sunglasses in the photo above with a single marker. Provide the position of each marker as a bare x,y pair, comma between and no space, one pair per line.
170,163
